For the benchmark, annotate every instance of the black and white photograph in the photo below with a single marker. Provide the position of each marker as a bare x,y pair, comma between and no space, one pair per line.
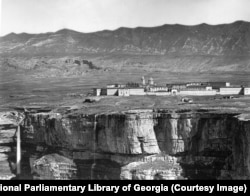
124,90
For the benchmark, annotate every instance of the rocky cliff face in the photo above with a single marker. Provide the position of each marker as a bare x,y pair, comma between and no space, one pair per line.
7,156
145,144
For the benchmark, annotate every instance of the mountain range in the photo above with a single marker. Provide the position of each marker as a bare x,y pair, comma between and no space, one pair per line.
171,48
203,39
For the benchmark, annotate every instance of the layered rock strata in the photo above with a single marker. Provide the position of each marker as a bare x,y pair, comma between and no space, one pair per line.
144,144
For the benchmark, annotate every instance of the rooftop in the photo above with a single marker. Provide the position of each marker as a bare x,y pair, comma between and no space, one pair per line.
126,87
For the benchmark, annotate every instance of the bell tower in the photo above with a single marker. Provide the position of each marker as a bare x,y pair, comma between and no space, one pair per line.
143,81
151,81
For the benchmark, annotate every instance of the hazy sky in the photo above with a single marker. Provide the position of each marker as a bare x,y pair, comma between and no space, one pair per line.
36,16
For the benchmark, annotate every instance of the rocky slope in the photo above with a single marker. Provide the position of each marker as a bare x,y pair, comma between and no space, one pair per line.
48,66
138,144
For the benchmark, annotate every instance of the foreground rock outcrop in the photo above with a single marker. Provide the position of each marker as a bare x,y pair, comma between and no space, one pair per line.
54,166
144,144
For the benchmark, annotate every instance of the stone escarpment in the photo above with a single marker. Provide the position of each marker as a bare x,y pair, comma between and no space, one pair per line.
8,128
141,144
7,156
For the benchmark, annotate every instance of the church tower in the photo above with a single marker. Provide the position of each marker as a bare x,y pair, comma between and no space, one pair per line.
143,81
151,81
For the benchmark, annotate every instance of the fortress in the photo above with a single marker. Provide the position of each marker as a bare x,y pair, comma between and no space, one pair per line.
190,88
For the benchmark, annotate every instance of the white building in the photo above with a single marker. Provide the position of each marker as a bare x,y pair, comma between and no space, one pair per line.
197,92
159,93
111,91
123,92
246,91
119,91
230,90
136,91
97,92
158,88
